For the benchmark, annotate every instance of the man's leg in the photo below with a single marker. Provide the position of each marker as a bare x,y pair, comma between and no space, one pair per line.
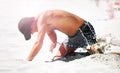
62,52
89,33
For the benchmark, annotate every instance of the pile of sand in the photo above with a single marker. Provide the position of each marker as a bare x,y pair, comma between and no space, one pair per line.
97,63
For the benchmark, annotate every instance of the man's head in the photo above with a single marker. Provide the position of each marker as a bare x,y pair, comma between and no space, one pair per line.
24,26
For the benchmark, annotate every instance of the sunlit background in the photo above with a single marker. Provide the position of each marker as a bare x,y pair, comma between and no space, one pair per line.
103,14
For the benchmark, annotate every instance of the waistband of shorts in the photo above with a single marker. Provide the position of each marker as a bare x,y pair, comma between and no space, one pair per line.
84,24
79,29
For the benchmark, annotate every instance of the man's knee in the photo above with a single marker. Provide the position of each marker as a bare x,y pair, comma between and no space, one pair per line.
70,51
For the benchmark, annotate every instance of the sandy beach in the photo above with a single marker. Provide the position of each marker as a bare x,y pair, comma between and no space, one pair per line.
14,49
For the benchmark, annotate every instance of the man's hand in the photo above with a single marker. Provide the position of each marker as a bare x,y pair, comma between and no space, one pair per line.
30,58
52,46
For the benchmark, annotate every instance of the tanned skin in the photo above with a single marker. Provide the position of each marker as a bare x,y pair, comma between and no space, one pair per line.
49,21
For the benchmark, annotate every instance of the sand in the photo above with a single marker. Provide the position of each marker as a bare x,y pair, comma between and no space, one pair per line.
14,49
98,63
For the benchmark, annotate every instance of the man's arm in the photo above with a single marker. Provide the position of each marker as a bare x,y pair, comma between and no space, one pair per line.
41,27
37,46
53,38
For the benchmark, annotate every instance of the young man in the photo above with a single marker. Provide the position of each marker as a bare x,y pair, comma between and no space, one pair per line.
80,32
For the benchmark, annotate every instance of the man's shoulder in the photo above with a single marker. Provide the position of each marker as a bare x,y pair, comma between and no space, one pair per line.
54,13
47,13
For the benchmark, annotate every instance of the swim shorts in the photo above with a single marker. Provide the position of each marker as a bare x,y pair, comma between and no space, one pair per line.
85,36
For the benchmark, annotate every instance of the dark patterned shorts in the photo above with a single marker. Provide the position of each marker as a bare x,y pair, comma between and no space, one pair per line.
85,36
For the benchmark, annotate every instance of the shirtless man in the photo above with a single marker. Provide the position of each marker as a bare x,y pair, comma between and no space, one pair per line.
80,32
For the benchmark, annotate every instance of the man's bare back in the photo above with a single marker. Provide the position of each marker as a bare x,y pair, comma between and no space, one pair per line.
61,20
80,33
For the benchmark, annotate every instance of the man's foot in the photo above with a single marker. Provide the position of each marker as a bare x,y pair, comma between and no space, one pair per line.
92,50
